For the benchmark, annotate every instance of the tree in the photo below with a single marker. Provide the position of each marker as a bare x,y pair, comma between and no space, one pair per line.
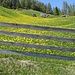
56,11
49,9
33,4
18,4
6,3
27,4
65,8
15,4
42,7
1,2
10,4
23,3
70,9
73,9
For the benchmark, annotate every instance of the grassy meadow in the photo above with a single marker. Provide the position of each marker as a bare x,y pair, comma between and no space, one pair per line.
27,65
25,17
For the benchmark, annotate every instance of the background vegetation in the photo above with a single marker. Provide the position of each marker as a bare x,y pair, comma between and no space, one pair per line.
68,9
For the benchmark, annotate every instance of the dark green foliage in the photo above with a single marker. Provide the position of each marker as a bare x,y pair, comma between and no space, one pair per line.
73,9
23,4
68,9
56,11
49,9
15,4
1,2
39,6
65,8
11,3
5,3
27,4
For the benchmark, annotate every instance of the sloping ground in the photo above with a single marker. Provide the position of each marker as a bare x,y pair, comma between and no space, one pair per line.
8,13
42,66
30,12
14,16
37,65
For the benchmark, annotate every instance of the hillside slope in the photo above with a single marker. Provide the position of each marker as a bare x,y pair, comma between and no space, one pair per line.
26,65
24,17
31,12
8,13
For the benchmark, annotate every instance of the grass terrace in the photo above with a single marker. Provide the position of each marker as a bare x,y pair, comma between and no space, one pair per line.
29,65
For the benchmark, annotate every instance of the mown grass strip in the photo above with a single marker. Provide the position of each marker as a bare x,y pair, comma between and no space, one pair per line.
36,54
18,39
37,27
38,32
37,46
37,36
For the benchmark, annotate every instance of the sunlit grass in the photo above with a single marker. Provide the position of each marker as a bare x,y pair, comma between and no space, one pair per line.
13,65
26,19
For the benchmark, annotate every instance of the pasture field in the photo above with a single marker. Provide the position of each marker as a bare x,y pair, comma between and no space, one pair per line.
27,65
7,15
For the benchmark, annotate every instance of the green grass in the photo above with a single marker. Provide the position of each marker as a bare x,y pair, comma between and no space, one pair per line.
27,65
36,41
8,13
30,12
24,17
39,32
24,65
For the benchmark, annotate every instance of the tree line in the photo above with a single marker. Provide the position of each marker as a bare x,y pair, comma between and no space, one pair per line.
39,6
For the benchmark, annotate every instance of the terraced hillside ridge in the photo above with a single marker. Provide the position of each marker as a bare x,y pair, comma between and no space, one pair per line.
8,46
40,41
34,41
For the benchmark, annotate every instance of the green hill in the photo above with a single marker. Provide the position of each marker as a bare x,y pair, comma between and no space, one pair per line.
8,13
25,17
15,13
31,12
